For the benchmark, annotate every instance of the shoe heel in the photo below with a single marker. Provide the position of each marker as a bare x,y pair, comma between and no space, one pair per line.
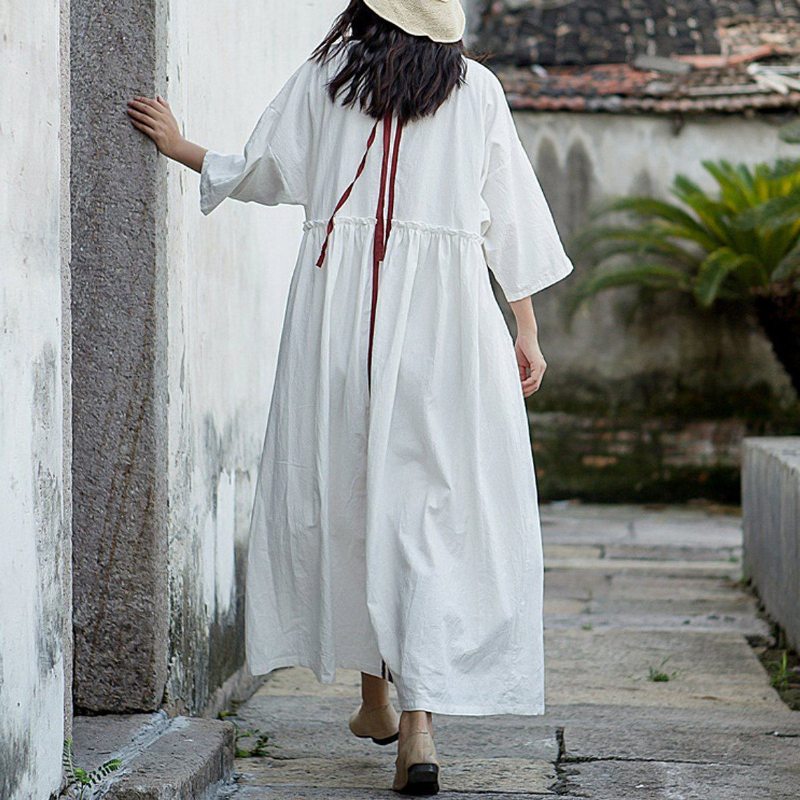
388,740
423,779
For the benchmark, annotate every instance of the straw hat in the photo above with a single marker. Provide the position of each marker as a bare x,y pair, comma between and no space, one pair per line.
439,20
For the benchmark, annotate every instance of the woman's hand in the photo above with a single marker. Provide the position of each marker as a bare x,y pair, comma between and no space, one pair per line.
530,361
529,357
155,118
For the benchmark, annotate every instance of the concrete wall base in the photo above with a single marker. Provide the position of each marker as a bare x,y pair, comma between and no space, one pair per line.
771,519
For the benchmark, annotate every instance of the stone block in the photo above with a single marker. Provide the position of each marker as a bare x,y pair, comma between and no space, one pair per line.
100,738
771,517
191,761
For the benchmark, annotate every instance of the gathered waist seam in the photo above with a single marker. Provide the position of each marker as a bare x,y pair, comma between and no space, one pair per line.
399,223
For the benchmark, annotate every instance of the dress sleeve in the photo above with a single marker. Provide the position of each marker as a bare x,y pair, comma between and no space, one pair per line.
521,243
273,167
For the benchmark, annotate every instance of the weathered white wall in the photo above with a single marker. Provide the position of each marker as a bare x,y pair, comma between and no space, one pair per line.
34,527
228,279
583,158
644,398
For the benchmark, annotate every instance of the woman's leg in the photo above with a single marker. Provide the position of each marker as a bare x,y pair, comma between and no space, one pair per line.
374,691
417,764
411,721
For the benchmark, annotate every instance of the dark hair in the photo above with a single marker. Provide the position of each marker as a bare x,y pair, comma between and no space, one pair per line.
389,70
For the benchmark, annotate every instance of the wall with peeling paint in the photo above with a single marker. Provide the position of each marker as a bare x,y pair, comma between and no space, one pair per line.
582,159
228,279
35,652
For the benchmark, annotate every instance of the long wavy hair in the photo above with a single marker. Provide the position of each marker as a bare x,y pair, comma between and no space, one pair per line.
387,69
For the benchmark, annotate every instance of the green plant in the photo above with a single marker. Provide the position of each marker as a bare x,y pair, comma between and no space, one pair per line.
80,780
657,675
258,750
737,245
780,673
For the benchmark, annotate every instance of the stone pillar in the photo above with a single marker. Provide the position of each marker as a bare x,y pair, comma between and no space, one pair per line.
120,587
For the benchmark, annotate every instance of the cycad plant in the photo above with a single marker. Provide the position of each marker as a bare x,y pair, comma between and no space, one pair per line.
739,243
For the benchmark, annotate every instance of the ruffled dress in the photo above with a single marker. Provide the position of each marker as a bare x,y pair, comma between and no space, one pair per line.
395,526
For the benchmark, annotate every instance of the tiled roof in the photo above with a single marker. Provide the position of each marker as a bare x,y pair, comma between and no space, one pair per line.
556,32
637,55
624,88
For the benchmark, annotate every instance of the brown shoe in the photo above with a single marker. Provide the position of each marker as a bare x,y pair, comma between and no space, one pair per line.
416,765
381,724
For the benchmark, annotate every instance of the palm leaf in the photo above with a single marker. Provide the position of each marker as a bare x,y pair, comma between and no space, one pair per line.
604,242
668,217
716,246
773,214
736,184
653,247
714,270
711,213
643,206
657,276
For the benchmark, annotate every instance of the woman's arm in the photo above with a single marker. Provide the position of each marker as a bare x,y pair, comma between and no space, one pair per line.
154,117
526,346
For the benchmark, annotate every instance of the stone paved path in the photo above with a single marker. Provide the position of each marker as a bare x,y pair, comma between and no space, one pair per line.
627,590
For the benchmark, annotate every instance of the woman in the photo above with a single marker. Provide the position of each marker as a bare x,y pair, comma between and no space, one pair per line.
395,527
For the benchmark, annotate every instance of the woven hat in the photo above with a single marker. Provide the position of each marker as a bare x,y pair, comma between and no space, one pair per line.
439,20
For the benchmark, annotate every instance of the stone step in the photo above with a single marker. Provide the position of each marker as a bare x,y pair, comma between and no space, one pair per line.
622,566
183,758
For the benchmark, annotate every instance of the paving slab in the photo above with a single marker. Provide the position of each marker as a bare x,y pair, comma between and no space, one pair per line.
552,550
673,734
473,774
649,602
592,618
297,728
302,681
657,780
612,667
593,584
575,523
676,569
670,552
328,793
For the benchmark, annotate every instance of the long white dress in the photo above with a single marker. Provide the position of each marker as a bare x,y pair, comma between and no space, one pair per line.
395,527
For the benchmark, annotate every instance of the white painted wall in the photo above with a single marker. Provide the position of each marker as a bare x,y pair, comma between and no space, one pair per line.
228,280
34,521
629,152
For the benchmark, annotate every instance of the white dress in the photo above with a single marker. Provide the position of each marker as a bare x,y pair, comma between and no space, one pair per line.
395,527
